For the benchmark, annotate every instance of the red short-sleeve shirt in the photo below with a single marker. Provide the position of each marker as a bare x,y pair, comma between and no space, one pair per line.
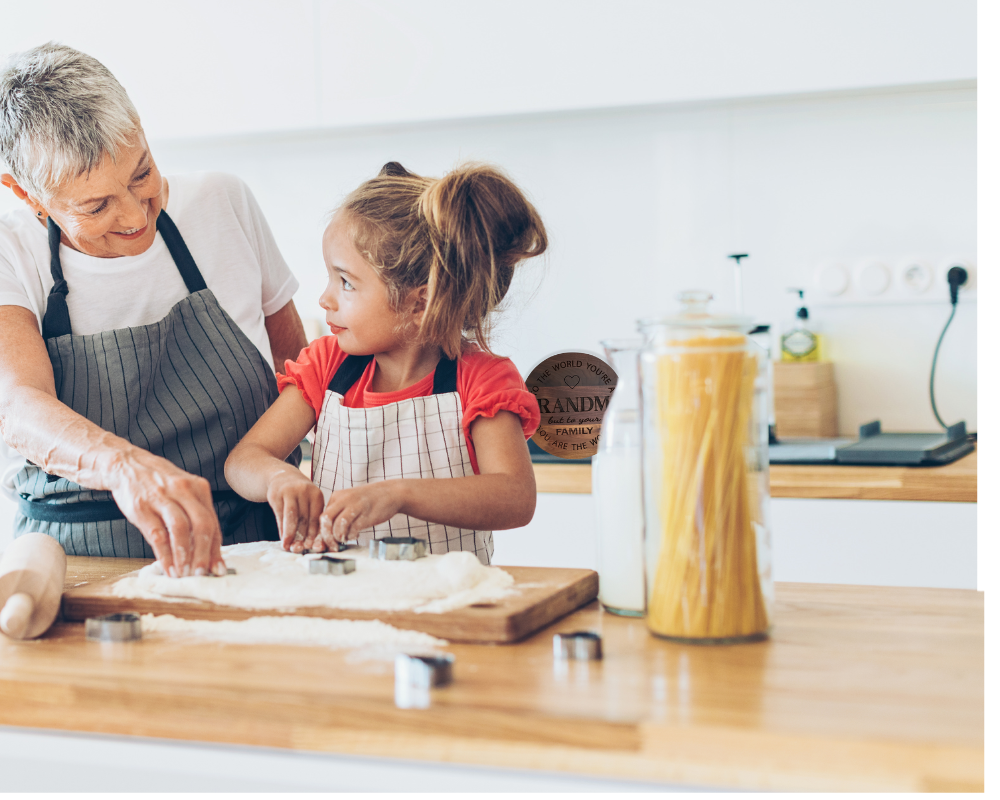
486,384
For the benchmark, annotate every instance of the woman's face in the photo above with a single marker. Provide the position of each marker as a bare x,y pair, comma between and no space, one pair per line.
111,211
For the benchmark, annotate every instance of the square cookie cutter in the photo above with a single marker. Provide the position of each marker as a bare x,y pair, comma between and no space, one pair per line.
397,548
331,565
416,675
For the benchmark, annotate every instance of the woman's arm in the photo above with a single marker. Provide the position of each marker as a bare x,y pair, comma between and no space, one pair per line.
256,468
172,508
286,334
502,496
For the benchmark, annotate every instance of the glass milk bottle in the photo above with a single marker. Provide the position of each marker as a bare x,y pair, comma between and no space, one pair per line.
617,487
704,393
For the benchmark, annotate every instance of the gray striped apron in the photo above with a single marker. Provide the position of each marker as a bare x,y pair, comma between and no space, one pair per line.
186,388
421,437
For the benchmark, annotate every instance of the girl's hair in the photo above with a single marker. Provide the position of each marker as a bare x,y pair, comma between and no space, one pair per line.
461,235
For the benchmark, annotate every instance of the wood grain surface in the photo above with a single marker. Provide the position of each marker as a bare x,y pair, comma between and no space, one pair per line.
953,483
805,399
859,688
545,595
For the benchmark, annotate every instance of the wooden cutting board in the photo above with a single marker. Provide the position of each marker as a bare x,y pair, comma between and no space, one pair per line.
545,594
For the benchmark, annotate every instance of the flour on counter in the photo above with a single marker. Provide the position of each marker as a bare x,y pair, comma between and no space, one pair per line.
302,631
268,577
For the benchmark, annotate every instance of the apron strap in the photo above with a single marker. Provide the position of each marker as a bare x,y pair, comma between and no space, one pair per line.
179,250
446,376
56,320
353,367
348,372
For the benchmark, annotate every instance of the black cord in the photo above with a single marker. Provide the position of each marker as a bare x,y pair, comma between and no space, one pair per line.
954,308
957,277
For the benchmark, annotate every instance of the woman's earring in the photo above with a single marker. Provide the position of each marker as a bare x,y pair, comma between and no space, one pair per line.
39,213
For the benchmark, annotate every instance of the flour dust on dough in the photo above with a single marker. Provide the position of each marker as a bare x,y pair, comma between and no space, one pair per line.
268,577
289,630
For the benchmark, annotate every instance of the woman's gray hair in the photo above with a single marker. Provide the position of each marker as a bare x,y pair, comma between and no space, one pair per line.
61,113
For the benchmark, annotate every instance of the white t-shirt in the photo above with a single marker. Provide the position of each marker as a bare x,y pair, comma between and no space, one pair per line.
223,228
225,231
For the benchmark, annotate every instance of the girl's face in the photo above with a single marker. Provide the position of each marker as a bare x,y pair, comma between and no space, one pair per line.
355,300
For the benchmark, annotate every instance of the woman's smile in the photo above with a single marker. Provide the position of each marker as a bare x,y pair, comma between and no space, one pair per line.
132,233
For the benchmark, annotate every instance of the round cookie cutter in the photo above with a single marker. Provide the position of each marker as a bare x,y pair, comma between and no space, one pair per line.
578,646
125,627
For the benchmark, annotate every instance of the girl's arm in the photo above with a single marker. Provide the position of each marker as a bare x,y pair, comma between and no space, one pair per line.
257,470
502,496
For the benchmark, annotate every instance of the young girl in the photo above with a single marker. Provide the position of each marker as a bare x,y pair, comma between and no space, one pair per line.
420,429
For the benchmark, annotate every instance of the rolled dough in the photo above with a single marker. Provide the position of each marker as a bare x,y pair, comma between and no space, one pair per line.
268,577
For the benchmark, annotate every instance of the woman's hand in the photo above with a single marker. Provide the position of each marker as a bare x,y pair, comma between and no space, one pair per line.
172,509
297,504
350,511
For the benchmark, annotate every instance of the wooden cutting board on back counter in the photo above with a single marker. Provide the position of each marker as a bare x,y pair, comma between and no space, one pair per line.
544,595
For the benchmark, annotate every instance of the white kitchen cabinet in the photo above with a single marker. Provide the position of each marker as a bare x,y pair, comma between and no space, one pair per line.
869,542
206,69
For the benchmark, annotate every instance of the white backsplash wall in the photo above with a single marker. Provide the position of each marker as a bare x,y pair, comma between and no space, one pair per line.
641,204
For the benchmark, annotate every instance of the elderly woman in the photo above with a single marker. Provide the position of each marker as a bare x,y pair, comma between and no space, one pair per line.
135,344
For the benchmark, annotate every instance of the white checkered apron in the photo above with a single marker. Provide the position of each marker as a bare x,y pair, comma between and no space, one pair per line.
417,438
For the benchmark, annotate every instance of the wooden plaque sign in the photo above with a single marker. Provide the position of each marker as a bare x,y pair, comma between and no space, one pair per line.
573,391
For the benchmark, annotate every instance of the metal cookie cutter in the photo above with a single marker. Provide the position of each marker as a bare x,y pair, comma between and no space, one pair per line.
397,548
229,571
336,547
330,565
114,628
416,675
424,671
579,645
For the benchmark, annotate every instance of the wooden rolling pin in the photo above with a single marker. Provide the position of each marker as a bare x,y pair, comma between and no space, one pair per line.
32,573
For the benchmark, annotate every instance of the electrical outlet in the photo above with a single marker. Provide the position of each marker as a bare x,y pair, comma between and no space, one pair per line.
916,276
888,281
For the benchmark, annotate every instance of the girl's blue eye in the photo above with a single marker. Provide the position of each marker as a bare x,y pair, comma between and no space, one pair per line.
347,284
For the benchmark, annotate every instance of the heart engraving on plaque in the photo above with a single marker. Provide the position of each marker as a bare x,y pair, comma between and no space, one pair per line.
572,381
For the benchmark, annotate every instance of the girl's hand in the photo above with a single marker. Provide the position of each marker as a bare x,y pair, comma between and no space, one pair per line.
297,503
352,510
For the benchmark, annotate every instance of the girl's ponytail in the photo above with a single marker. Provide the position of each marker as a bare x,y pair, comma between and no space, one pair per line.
462,236
480,226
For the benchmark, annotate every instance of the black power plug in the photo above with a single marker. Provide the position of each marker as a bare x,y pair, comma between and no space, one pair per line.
957,276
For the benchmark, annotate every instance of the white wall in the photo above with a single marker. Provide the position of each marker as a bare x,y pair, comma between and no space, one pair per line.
643,203
198,68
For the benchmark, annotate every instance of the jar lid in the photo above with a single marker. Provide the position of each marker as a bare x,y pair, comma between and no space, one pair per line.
694,314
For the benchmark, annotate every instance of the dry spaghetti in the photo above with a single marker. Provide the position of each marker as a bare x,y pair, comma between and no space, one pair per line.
706,583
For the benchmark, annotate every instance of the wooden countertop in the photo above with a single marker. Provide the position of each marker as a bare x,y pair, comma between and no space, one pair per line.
860,688
956,482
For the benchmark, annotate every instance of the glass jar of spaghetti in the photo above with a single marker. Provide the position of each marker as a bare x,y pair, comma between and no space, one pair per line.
704,400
